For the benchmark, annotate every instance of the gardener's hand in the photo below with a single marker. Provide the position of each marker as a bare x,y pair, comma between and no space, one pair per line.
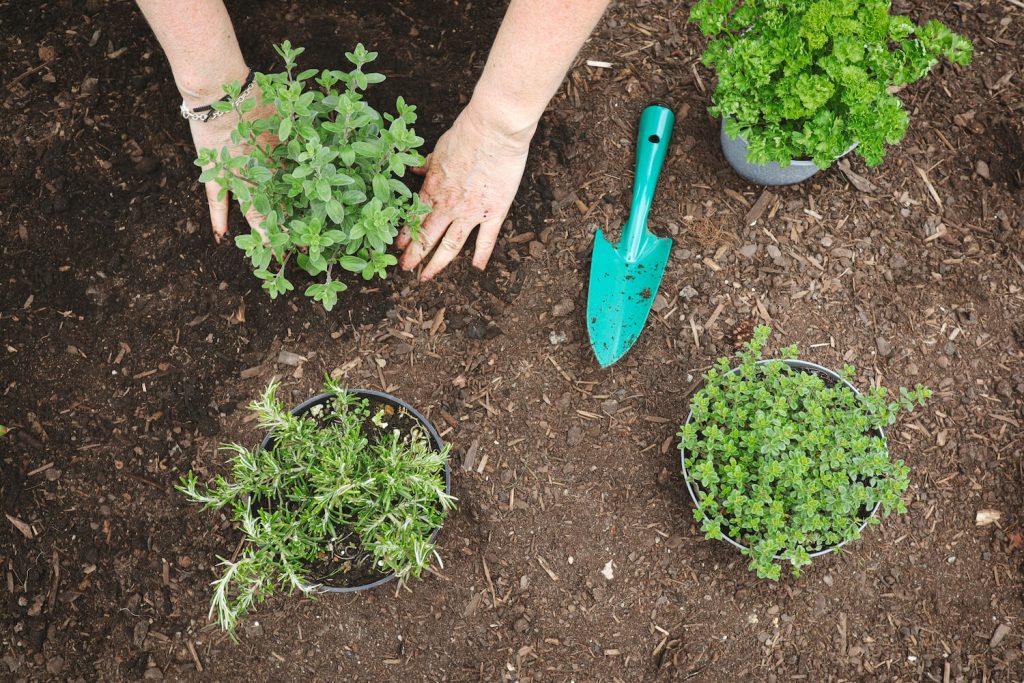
471,179
215,134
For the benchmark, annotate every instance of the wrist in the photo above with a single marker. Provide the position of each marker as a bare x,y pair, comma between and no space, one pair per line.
201,89
512,124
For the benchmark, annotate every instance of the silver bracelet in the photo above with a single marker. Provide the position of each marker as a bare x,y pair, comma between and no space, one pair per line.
208,113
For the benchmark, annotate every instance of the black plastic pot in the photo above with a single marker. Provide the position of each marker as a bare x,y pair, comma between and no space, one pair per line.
435,438
831,378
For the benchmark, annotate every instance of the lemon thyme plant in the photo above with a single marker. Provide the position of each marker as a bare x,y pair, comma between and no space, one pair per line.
329,187
786,463
806,79
337,488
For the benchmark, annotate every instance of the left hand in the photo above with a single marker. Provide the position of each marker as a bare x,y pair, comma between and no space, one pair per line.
471,179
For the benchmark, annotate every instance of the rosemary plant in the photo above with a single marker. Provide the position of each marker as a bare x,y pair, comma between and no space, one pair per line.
335,486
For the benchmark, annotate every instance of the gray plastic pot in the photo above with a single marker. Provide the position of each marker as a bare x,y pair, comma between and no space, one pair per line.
735,151
830,377
435,439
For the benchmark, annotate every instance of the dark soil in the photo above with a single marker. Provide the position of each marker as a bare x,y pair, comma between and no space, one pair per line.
132,340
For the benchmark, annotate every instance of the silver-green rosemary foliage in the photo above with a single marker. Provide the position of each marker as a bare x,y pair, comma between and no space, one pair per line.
330,191
323,488
786,464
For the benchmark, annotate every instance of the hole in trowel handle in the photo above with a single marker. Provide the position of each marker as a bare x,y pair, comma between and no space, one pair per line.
654,138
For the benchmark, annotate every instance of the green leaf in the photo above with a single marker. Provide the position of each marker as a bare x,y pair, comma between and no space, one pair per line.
285,129
366,149
323,190
381,188
353,263
261,202
336,211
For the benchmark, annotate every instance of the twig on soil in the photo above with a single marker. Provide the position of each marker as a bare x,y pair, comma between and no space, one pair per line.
544,565
490,584
25,529
40,469
931,188
238,549
195,655
55,584
33,70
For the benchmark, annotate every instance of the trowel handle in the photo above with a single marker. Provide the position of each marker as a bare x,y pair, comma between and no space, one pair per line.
652,142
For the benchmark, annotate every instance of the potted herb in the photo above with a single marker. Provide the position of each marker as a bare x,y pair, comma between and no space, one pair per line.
802,83
786,460
346,492
329,188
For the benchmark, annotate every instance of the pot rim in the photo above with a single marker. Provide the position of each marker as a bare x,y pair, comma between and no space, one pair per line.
394,400
800,365
799,163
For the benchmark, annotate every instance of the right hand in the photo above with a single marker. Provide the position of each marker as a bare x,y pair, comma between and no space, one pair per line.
215,134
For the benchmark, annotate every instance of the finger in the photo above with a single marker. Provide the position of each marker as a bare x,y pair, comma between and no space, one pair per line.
218,210
404,237
448,249
433,229
422,170
486,238
255,220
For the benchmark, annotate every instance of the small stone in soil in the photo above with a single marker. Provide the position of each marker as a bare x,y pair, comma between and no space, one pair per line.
55,664
748,250
563,308
557,338
253,629
1001,632
140,632
884,347
688,292
146,165
476,329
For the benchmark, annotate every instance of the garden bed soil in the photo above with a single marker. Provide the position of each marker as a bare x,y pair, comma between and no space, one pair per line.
132,342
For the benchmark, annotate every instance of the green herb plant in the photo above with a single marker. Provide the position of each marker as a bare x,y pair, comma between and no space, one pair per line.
785,464
323,168
806,79
337,485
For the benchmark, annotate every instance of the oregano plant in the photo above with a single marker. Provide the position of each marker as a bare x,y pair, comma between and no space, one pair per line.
807,79
339,487
327,183
787,463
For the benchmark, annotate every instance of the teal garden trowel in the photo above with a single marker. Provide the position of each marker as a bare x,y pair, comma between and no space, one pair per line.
624,277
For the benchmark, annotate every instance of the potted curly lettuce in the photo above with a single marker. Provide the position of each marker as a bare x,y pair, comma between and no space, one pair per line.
786,460
346,492
803,82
